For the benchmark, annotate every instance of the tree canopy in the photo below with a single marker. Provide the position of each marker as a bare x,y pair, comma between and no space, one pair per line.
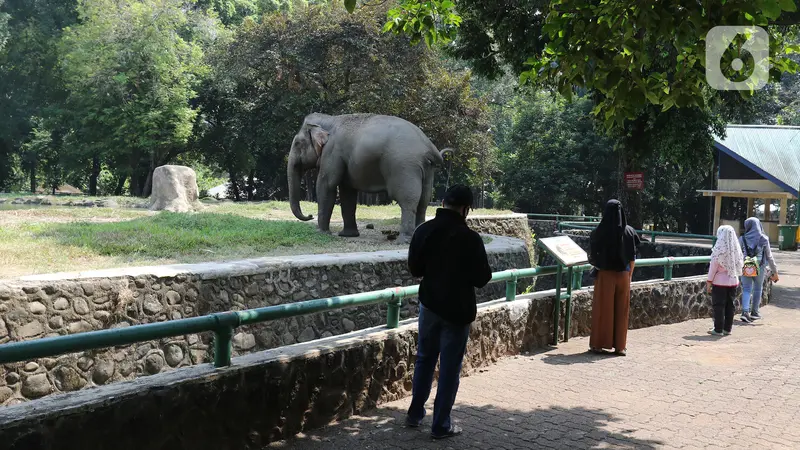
630,53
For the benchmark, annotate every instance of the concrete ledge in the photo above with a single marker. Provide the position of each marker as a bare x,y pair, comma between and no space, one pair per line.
214,270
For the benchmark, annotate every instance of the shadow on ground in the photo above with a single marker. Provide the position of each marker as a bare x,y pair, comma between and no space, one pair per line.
485,427
785,297
577,358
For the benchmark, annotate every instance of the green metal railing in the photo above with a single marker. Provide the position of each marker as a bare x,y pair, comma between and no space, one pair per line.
582,226
223,324
559,217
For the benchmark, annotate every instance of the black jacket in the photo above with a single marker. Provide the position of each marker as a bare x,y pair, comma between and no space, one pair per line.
452,262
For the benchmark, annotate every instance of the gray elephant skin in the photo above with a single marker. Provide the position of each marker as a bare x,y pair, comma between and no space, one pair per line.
368,153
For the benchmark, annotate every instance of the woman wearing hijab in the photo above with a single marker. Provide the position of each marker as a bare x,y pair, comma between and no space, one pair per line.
723,279
755,243
613,245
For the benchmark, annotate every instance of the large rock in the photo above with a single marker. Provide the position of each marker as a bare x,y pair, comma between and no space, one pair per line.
174,189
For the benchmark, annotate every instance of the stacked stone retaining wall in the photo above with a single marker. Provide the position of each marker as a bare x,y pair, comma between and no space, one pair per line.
62,304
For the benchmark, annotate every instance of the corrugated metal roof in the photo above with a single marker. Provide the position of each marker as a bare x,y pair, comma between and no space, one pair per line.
771,150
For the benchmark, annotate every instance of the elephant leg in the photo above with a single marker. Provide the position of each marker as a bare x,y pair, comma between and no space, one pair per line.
407,194
348,198
427,192
326,199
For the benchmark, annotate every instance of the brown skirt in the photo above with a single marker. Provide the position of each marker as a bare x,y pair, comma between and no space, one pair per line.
610,309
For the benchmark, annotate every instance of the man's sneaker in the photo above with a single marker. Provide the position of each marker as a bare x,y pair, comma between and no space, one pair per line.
715,333
746,318
755,316
454,431
413,423
726,333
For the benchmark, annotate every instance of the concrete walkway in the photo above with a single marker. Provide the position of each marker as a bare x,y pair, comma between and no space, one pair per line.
677,388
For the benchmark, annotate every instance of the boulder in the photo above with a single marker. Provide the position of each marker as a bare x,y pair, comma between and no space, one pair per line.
174,189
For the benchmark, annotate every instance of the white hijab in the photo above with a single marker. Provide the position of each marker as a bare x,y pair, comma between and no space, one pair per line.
727,251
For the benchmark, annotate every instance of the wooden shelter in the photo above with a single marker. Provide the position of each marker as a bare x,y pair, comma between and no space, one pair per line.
757,162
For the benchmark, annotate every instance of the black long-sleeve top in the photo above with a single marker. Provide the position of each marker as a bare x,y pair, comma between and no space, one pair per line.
452,261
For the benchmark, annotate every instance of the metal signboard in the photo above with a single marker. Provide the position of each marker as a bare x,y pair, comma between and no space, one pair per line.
565,250
634,181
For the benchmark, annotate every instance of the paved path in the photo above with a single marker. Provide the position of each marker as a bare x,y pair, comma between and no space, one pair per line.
677,388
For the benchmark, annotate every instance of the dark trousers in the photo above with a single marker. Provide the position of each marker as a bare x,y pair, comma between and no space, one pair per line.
722,300
446,342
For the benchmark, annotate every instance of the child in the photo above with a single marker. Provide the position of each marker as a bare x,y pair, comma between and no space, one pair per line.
723,278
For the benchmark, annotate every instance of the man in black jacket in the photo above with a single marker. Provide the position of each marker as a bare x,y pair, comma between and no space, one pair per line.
452,262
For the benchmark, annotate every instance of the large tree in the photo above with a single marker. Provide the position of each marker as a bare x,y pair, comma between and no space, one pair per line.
553,160
30,86
131,68
618,48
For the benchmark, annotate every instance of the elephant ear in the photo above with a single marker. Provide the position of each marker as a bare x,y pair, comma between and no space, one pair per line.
319,138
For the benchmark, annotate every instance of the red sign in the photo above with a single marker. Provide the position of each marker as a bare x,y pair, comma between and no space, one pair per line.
634,181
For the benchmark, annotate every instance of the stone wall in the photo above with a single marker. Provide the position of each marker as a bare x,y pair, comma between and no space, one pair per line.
543,228
646,250
656,303
60,304
513,225
278,393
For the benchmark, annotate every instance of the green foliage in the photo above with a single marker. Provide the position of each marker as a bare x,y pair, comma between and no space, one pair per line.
631,53
553,160
513,26
43,152
3,26
29,83
131,69
106,183
638,54
169,235
432,21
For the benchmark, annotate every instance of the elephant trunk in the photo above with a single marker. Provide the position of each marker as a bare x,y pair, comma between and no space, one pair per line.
294,172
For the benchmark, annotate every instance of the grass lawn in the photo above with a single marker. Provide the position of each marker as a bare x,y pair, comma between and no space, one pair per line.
44,239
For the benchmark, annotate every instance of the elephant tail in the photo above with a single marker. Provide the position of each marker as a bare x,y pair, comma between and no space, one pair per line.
442,154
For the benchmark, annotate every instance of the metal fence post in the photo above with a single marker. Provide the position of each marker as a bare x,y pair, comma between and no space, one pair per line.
511,287
557,305
577,279
393,311
222,346
568,319
668,269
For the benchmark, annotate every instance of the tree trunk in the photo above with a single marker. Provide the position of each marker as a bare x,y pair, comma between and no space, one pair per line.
94,175
33,178
136,181
632,146
234,185
310,178
147,189
134,184
120,185
251,186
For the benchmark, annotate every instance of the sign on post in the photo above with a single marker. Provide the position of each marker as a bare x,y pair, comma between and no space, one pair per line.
565,250
568,254
634,181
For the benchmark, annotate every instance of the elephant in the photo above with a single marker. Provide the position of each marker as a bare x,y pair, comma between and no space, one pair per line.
363,152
